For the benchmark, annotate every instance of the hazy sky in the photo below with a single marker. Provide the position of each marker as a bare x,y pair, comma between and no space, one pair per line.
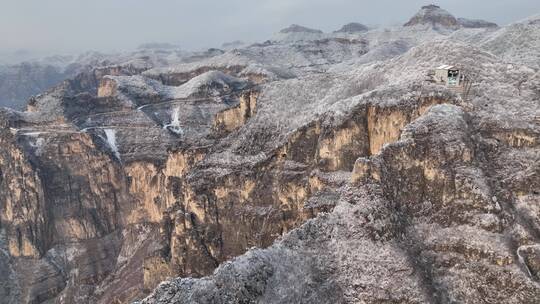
107,25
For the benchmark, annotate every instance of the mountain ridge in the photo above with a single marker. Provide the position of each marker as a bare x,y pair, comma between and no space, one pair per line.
310,168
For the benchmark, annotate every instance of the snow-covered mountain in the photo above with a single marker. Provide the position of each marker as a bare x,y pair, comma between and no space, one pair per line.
296,32
435,17
21,81
517,42
309,168
353,27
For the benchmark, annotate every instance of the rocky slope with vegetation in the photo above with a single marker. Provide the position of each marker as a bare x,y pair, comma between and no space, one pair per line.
311,168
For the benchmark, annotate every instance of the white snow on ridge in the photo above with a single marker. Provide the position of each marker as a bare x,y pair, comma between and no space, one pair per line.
207,79
298,36
283,60
297,33
228,59
290,104
518,42
143,86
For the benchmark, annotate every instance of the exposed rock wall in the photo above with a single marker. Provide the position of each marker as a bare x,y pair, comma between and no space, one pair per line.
220,216
200,214
24,209
430,216
81,202
155,188
385,124
85,192
232,119
107,87
335,145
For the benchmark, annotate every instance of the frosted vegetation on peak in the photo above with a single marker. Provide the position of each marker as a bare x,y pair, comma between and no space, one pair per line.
353,27
517,42
141,86
295,28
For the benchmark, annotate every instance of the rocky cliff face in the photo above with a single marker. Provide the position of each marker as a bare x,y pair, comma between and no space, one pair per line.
435,16
316,170
422,219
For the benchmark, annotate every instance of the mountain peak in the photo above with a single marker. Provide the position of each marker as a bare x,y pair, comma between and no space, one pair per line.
431,7
353,27
435,16
295,28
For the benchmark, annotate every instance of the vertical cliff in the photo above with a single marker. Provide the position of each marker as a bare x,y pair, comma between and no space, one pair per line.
24,216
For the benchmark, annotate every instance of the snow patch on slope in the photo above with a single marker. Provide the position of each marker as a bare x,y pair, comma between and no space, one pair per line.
213,82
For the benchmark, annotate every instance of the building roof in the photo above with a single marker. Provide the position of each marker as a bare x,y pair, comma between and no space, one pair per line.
447,67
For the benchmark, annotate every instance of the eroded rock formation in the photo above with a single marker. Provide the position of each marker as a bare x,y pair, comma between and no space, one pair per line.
312,169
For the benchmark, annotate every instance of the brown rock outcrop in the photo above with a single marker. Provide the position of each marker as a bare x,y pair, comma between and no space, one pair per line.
435,16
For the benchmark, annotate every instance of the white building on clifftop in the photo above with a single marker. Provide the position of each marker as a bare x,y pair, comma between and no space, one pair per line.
449,75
